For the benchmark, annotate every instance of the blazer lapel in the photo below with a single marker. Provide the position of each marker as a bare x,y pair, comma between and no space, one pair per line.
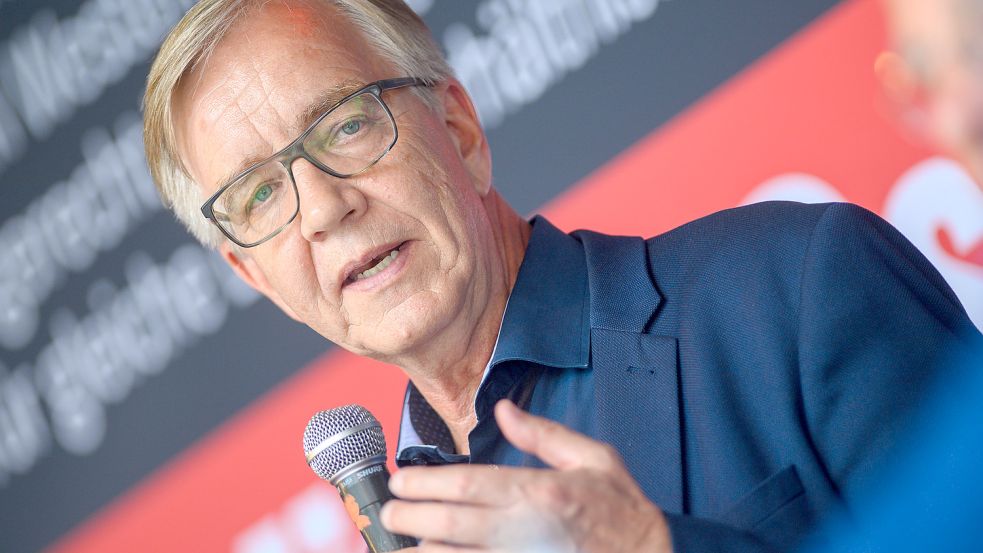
635,374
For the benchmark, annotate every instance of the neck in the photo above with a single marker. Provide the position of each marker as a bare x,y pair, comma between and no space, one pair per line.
449,371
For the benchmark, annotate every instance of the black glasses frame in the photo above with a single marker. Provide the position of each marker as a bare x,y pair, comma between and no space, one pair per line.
295,150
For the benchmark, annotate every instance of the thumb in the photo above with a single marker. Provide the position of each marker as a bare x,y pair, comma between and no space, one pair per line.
553,443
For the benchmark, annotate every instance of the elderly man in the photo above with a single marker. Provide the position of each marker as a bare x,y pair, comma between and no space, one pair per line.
711,389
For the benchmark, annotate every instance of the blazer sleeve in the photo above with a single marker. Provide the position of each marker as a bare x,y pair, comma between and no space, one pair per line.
874,317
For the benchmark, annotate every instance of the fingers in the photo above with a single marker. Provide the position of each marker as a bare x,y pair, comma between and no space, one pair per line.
590,503
465,525
473,484
453,527
554,444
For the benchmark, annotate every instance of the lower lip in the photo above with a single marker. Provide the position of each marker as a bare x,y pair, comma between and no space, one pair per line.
384,276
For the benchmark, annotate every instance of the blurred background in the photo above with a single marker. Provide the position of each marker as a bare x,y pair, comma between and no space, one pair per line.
150,402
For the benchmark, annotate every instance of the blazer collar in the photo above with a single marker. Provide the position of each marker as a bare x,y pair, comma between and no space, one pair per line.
623,293
568,284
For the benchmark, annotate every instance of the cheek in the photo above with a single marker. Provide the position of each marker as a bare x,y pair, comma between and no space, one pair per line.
434,187
294,273
948,117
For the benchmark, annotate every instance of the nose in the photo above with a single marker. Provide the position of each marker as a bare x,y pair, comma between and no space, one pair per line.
326,202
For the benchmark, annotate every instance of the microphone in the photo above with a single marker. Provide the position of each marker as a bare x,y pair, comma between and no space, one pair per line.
346,447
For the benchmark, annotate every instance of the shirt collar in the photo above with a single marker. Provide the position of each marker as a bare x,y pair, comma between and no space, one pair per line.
547,320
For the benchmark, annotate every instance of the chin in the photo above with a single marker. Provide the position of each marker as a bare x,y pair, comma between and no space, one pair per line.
392,339
414,325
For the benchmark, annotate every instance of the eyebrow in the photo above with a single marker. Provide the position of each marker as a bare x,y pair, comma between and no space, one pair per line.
323,102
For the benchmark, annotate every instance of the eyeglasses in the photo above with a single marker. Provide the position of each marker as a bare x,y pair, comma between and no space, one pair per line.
344,141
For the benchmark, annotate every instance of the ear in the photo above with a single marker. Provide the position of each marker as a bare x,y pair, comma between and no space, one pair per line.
249,271
468,136
904,90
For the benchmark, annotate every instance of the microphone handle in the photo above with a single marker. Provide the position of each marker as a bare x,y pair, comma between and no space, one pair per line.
367,491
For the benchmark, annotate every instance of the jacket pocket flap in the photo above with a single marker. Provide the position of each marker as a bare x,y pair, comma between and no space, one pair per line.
765,499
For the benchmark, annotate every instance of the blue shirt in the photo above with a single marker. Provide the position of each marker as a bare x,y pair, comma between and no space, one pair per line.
543,345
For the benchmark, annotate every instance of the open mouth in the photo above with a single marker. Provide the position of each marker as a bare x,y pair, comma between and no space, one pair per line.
375,266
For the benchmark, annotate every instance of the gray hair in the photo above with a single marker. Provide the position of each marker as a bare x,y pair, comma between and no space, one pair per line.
390,26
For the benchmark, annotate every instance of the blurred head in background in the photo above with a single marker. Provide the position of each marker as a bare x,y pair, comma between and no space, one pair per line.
935,73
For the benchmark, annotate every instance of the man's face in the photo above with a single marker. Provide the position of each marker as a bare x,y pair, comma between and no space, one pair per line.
424,198
942,74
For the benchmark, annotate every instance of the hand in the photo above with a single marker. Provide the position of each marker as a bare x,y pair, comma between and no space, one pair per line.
586,502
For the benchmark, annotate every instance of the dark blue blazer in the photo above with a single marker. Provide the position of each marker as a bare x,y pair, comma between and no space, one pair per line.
929,497
751,367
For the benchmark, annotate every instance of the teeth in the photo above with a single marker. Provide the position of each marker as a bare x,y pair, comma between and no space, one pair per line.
379,266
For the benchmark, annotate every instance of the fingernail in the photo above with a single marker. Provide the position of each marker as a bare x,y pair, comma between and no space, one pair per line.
396,482
384,514
510,409
508,406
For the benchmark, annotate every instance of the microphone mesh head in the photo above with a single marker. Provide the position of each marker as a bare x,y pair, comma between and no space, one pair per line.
361,445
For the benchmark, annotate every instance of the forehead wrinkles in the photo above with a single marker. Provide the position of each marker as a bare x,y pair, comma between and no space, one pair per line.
275,89
245,88
230,116
267,89
263,72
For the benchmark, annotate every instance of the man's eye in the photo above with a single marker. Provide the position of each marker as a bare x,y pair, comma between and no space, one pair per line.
347,131
351,126
260,195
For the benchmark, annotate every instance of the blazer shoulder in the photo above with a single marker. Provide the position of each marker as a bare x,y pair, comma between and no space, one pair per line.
770,231
762,251
760,221
763,233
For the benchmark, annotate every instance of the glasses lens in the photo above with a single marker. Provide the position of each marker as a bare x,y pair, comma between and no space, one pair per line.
353,136
257,205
